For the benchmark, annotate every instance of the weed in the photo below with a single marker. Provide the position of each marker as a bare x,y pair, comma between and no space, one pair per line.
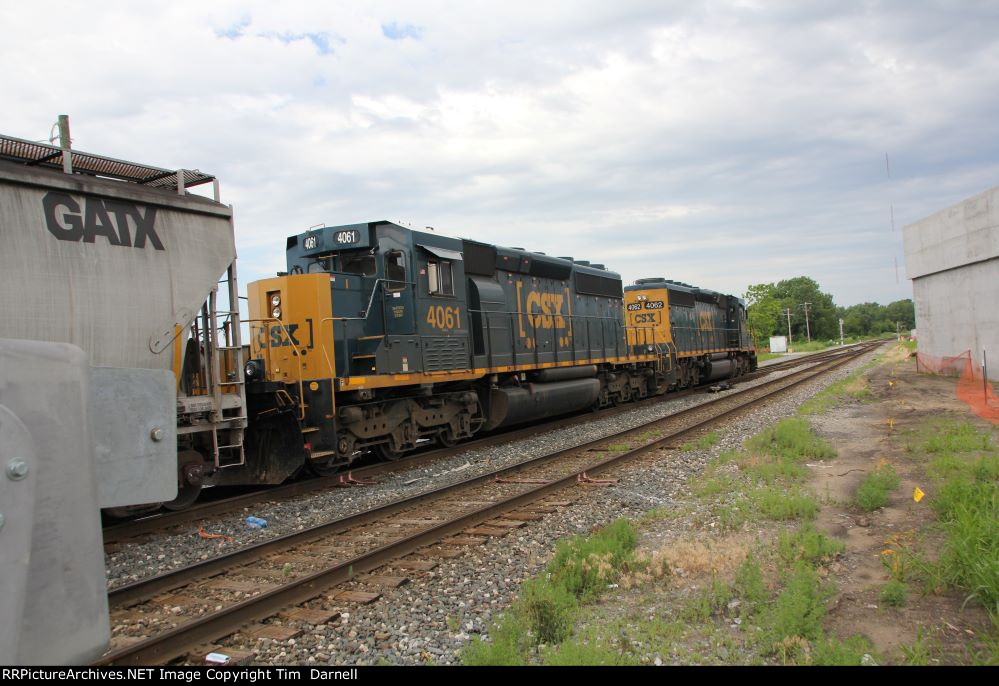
507,646
848,653
968,506
916,654
580,653
854,386
712,600
783,504
713,486
807,544
708,440
658,514
894,593
585,565
772,472
749,584
876,487
791,438
728,456
798,610
548,609
961,437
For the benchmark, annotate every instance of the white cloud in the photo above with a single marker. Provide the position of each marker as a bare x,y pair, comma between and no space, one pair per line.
721,144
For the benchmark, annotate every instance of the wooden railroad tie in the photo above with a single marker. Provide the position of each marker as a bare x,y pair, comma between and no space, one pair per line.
275,632
384,581
415,565
361,597
486,531
464,540
313,617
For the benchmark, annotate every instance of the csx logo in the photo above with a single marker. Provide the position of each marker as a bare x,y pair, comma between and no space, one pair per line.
706,322
280,336
644,318
68,221
544,310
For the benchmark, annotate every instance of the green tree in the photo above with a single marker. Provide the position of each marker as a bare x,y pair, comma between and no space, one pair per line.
903,311
762,311
822,319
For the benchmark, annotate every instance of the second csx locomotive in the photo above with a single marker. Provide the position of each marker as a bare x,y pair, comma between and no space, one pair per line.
379,337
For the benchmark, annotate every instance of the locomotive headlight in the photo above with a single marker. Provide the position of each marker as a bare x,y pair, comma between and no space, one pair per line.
275,299
254,369
276,313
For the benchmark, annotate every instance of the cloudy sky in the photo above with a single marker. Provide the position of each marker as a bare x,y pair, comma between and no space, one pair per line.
719,143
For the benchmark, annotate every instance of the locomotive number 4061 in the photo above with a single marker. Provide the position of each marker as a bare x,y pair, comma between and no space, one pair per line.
447,318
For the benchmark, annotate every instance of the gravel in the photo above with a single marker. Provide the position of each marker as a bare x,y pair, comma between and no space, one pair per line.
431,618
132,561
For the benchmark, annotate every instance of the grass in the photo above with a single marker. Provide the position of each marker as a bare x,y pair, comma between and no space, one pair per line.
807,545
876,488
797,612
854,387
917,653
546,609
792,439
582,653
780,504
964,464
702,443
894,593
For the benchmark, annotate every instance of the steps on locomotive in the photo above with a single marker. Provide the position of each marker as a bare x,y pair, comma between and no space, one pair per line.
362,354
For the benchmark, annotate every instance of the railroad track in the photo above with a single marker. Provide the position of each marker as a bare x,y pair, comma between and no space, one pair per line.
237,591
122,532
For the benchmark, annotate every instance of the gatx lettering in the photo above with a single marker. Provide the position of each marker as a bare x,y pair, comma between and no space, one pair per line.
68,221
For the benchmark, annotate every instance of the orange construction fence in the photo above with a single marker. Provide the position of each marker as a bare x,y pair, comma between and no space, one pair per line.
972,387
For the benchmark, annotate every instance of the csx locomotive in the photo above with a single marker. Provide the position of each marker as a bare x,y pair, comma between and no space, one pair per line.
379,337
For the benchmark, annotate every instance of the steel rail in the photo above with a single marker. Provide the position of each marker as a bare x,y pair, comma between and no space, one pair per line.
121,532
190,635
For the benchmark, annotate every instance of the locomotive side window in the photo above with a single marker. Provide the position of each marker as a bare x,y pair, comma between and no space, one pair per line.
395,270
440,280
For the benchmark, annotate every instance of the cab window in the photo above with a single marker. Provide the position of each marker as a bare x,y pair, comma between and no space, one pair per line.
439,278
395,270
362,263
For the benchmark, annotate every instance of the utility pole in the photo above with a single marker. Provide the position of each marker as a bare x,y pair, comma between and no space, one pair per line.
808,331
841,332
788,312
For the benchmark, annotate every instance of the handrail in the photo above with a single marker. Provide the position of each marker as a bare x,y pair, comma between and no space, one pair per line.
296,355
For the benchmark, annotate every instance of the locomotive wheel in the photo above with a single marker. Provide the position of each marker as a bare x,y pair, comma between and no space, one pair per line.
328,467
446,438
386,452
190,466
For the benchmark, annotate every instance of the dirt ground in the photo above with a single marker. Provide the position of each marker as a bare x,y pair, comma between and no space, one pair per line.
888,411
905,404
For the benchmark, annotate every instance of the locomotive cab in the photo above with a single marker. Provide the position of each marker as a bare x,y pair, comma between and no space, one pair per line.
366,312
